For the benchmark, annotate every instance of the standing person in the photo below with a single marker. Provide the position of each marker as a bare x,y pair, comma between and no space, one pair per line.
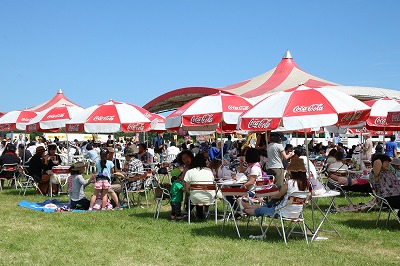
367,147
276,153
105,168
391,147
24,154
110,142
176,194
379,148
144,155
159,145
261,142
172,149
19,141
76,184
228,145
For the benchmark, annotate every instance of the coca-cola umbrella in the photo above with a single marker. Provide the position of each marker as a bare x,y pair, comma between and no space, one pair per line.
393,116
379,114
16,120
302,108
54,118
110,117
209,112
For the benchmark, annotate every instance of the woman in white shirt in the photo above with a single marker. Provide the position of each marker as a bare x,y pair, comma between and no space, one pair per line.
199,173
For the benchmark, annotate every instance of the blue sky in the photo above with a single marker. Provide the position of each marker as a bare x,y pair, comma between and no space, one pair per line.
134,51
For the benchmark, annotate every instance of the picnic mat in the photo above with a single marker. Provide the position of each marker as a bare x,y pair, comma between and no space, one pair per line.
361,207
47,206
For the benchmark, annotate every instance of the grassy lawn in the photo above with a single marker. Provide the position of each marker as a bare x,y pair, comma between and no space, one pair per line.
132,237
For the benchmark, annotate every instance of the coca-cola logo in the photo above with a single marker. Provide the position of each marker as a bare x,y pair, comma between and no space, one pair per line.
32,127
380,121
73,128
24,119
238,108
200,120
104,118
311,108
351,117
5,127
147,115
56,116
259,124
396,117
135,127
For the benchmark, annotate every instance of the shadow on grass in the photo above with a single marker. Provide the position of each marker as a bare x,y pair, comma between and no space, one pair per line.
392,225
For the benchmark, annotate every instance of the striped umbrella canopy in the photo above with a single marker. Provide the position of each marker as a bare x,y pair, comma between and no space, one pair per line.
16,120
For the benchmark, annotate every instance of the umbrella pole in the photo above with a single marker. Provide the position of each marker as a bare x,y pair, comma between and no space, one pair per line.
222,145
307,155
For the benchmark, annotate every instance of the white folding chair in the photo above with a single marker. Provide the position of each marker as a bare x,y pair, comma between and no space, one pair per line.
26,181
300,199
207,188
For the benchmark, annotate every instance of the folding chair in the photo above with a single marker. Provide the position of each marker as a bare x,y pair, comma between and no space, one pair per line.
9,170
134,187
26,181
332,184
296,218
207,188
382,203
161,194
234,192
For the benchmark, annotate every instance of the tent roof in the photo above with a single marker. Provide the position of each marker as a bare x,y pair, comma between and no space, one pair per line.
58,100
284,76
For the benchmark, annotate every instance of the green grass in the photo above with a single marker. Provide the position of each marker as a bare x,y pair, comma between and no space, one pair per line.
132,237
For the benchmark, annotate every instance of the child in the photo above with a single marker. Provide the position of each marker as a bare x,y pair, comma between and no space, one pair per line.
176,194
75,185
105,169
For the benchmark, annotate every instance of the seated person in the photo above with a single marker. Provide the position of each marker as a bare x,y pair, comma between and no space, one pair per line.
91,154
37,169
76,184
8,157
144,156
220,171
338,165
384,180
395,163
132,171
297,182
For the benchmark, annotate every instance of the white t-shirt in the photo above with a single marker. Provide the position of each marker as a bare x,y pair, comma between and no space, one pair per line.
274,152
290,211
173,150
194,176
253,169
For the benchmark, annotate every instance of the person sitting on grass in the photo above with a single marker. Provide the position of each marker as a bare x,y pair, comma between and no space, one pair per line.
76,183
176,194
297,182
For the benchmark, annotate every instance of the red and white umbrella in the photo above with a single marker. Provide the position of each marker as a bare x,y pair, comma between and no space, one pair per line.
303,107
209,112
16,120
393,116
110,117
379,114
53,118
157,122
364,131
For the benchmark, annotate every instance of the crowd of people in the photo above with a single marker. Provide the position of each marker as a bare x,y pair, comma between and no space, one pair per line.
206,161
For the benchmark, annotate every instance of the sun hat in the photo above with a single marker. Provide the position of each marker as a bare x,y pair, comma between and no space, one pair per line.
78,166
40,149
296,165
176,172
396,161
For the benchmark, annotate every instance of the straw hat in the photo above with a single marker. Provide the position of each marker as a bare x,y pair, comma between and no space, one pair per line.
40,149
131,151
296,165
78,166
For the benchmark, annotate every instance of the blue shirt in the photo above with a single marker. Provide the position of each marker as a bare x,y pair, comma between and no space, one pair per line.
390,147
107,170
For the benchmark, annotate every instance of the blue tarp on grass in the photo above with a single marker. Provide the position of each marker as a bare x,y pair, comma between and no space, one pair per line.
46,206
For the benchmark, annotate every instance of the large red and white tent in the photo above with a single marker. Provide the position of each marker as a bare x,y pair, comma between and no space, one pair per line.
58,100
287,74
